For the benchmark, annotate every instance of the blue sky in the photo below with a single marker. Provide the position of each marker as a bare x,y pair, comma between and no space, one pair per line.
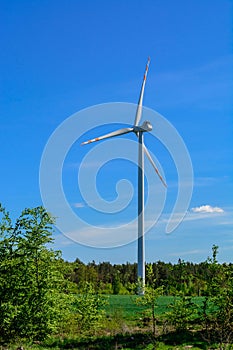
58,58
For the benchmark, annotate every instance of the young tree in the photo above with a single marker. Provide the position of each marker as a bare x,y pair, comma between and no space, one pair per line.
31,285
217,308
89,309
150,297
183,313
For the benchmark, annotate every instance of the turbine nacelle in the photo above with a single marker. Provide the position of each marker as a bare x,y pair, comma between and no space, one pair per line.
146,127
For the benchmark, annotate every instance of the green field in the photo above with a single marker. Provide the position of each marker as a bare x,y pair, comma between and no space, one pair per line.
127,306
129,309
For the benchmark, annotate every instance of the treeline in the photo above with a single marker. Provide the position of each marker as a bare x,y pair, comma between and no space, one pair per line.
184,277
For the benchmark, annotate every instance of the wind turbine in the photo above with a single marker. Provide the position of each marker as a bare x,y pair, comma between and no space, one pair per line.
139,131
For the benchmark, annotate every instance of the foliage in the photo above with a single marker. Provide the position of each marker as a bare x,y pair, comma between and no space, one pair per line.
89,311
184,277
216,313
150,297
183,313
126,338
31,298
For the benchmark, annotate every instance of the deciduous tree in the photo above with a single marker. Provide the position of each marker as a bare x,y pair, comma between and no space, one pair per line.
31,285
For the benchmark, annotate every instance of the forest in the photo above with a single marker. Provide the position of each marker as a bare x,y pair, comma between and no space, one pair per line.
48,303
184,277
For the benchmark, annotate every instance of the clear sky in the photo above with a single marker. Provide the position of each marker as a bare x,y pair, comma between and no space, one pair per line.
60,57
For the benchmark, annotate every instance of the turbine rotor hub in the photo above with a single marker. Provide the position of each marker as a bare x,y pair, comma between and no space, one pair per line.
145,127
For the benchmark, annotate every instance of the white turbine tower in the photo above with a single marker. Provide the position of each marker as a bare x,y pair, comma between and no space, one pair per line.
139,131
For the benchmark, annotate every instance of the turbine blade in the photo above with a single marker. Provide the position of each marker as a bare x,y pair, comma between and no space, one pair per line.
154,166
111,134
139,108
